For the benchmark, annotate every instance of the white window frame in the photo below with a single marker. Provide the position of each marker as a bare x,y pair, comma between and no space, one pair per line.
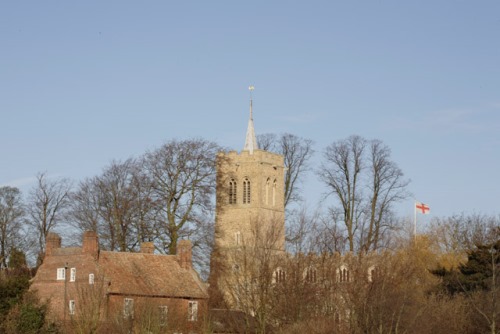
128,308
192,310
71,307
61,274
91,278
72,275
163,311
237,238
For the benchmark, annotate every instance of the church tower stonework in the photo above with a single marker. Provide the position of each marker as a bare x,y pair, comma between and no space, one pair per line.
250,202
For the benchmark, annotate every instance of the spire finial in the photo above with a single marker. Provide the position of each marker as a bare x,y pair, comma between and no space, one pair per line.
250,141
251,88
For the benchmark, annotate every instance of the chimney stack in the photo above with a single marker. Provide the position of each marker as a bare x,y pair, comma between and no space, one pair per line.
90,243
52,242
147,247
184,253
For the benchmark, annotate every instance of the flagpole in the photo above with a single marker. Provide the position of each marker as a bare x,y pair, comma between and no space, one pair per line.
415,220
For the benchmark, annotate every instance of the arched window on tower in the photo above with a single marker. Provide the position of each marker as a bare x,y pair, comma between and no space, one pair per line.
232,191
372,273
274,192
246,191
343,274
310,274
279,275
268,181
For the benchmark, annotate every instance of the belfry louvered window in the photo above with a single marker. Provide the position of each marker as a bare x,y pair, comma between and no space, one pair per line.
232,191
246,191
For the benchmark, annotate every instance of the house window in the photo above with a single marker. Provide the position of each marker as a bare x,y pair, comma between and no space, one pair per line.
246,191
61,273
237,238
310,275
163,310
72,307
192,311
128,308
72,276
232,191
91,278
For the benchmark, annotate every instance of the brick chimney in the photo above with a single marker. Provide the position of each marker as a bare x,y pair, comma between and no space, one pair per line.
184,254
90,243
52,242
147,247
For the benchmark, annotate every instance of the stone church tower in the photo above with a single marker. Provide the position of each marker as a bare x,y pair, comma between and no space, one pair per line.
250,202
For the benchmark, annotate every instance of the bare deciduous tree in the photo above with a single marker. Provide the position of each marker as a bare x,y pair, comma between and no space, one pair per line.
296,152
118,200
365,183
182,174
47,204
117,204
11,215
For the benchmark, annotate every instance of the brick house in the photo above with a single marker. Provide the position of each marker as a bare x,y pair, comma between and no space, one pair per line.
123,288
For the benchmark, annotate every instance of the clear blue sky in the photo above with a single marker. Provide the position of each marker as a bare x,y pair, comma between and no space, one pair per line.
86,82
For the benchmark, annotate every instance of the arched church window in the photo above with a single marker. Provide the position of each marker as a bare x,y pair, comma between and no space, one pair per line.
274,192
279,275
268,181
343,274
310,275
246,191
232,191
372,273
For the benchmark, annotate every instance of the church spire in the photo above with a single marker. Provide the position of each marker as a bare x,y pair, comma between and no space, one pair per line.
251,140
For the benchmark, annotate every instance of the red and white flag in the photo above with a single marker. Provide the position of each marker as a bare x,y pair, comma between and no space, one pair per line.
422,208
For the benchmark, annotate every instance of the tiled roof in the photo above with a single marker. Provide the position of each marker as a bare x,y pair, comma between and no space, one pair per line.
149,274
67,251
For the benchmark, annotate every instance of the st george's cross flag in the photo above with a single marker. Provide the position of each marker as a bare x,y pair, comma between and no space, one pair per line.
422,208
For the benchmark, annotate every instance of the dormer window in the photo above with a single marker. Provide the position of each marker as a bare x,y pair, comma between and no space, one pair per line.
232,191
246,191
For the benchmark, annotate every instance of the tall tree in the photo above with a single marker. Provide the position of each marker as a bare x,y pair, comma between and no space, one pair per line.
47,204
365,183
116,204
11,215
296,152
182,174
